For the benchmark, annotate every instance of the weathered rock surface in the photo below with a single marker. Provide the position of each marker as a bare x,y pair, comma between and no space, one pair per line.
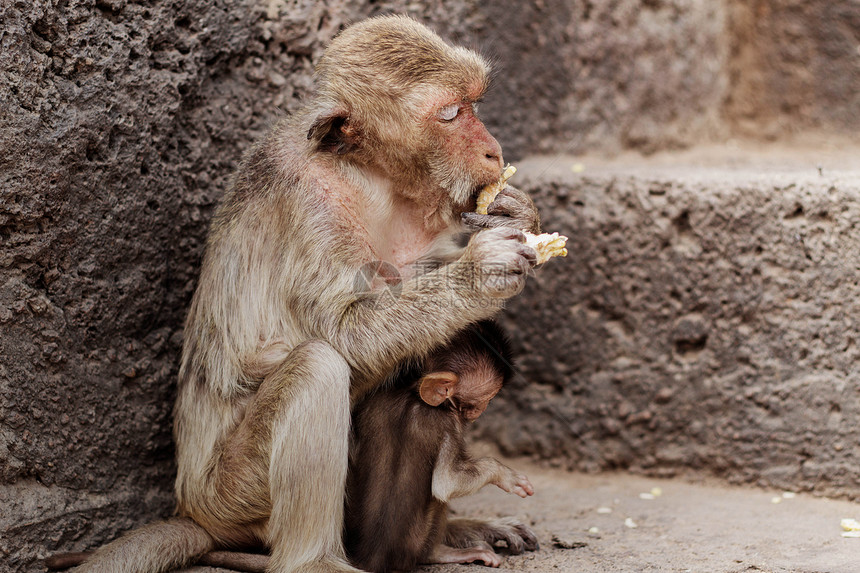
794,65
706,318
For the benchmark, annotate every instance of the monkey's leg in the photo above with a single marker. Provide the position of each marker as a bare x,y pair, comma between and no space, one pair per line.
248,562
300,420
159,546
445,554
485,533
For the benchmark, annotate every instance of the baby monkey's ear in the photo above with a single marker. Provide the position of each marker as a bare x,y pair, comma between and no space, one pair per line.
436,387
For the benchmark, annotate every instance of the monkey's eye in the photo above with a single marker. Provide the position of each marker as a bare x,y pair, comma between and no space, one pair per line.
449,112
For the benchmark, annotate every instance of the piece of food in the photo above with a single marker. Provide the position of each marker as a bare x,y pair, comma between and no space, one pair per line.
547,245
851,527
488,193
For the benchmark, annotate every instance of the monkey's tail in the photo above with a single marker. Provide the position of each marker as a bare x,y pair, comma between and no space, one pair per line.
154,548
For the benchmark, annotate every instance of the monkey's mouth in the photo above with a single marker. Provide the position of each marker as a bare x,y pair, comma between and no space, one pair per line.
471,202
468,204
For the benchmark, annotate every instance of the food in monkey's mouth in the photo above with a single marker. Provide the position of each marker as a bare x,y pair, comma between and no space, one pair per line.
488,193
547,245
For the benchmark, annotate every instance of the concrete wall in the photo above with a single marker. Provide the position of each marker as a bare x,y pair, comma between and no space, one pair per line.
120,123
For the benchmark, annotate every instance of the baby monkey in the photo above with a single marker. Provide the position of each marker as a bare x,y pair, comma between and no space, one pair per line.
408,458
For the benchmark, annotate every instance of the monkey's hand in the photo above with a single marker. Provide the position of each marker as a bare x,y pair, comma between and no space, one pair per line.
502,258
512,481
509,207
500,205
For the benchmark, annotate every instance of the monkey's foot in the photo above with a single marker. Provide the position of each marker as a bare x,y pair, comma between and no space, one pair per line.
445,554
476,532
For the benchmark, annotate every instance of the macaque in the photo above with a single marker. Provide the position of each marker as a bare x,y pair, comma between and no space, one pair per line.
278,344
408,458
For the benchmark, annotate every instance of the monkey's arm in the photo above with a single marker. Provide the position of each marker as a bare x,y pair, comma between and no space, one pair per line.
457,475
374,333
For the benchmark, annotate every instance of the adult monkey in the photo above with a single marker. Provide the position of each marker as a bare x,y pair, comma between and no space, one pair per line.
379,166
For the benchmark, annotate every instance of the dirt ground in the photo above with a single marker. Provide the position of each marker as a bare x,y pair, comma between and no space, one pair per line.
583,522
699,526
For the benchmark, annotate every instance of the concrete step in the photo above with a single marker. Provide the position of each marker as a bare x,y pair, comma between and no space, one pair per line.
706,318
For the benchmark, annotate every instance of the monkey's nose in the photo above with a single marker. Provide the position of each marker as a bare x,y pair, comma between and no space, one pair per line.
493,153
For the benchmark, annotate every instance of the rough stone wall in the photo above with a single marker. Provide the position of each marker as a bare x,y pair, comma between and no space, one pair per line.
581,75
794,66
647,75
705,319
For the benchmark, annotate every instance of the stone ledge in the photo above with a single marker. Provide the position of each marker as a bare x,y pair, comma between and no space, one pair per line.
706,319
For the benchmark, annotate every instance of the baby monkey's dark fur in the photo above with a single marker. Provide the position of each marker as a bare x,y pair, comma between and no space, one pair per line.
408,458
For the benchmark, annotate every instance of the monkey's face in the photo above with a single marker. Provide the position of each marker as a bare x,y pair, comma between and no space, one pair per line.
395,98
462,155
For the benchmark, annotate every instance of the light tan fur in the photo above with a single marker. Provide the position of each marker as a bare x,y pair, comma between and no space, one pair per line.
278,342
157,547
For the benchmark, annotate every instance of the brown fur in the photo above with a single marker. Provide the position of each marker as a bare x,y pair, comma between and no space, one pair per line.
395,516
278,341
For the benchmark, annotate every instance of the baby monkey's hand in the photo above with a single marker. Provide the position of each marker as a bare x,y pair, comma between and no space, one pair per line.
514,482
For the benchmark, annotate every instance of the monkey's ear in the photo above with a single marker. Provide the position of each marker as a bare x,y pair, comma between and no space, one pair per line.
334,131
436,387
